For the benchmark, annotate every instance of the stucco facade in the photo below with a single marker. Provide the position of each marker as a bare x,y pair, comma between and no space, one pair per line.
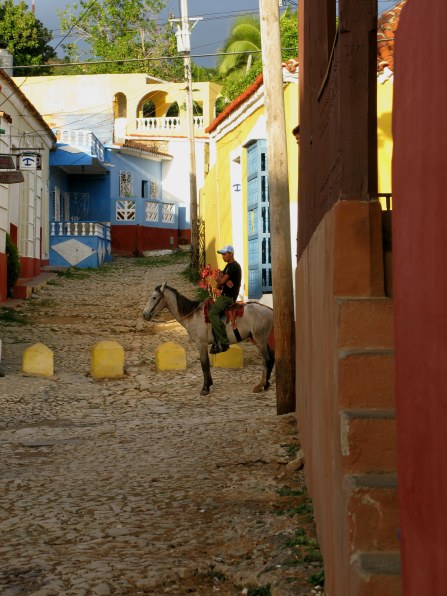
224,197
24,205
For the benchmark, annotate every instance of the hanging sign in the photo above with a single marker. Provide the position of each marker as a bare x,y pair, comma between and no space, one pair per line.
6,162
11,177
29,161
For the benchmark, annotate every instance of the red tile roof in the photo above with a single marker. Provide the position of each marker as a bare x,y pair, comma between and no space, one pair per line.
290,65
386,30
148,147
240,99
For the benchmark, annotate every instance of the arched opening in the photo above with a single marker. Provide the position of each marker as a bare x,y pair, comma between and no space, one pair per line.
197,108
120,106
173,110
148,109
120,118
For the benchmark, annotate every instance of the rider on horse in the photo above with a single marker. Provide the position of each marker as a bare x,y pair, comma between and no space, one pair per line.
229,282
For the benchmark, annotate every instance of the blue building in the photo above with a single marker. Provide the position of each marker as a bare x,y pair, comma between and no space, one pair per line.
107,200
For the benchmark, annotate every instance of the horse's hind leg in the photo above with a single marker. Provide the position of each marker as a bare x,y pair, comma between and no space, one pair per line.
268,360
270,363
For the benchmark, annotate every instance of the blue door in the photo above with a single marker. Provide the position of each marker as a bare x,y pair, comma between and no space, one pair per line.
259,253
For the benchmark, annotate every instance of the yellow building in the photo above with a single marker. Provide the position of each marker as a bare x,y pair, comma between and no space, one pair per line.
234,199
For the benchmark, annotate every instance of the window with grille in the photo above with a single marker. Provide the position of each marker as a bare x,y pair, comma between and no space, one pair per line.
155,188
151,211
168,213
126,184
125,210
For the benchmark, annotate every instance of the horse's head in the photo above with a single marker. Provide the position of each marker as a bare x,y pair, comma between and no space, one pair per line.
156,303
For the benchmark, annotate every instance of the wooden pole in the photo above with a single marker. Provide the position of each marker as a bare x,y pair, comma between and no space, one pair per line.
282,281
194,262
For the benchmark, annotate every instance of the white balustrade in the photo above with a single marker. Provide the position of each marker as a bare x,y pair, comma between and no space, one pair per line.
165,123
84,228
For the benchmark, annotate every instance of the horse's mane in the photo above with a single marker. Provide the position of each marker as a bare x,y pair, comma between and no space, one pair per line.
185,305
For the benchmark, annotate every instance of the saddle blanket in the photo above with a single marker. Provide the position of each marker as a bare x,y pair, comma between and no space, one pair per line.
231,313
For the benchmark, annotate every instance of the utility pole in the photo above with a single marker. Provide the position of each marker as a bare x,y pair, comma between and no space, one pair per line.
183,35
282,280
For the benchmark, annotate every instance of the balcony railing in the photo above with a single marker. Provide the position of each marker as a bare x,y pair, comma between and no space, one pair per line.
80,228
165,123
84,140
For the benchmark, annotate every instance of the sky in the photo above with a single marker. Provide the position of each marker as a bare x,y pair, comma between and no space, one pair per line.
208,35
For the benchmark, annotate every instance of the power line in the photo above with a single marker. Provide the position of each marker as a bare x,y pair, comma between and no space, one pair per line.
128,60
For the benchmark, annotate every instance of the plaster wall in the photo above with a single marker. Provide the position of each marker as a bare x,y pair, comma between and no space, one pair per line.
226,209
420,284
25,205
175,175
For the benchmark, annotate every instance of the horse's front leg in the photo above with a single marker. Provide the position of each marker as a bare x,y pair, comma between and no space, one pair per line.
206,368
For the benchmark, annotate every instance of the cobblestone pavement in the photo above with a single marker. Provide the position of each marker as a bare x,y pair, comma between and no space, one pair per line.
138,485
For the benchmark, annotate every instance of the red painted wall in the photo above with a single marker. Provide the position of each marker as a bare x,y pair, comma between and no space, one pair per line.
29,267
128,240
420,291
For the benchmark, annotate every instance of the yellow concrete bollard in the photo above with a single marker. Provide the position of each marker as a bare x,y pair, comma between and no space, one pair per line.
232,358
107,360
38,360
170,356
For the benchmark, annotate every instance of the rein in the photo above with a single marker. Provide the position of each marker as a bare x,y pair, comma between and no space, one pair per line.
191,313
182,318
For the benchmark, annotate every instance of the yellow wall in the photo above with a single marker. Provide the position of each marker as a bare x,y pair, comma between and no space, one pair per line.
215,196
384,136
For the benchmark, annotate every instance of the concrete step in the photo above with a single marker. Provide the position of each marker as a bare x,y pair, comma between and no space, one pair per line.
366,379
368,441
365,323
376,574
372,508
25,287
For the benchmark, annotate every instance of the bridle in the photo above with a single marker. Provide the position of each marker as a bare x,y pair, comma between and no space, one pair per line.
158,301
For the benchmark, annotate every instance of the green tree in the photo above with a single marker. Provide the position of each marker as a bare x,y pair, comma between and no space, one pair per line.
245,36
237,72
25,38
114,30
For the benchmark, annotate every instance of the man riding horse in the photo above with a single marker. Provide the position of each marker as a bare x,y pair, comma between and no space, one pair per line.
229,282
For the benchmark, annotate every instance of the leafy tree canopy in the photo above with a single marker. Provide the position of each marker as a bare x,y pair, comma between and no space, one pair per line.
237,72
114,30
25,38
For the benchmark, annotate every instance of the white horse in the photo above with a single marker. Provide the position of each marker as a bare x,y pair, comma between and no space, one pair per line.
256,324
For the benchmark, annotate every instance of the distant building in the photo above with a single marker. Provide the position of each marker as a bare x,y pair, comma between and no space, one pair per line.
142,189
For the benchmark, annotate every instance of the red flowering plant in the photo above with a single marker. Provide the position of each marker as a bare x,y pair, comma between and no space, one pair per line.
208,281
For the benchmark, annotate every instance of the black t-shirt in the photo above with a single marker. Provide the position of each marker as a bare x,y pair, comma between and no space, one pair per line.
233,270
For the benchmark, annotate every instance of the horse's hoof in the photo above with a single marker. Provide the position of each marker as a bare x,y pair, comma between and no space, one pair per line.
257,389
205,392
266,386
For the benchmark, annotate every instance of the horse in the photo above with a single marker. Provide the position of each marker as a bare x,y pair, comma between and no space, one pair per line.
256,324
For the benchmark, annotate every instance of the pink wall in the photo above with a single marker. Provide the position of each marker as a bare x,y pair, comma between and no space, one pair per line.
420,291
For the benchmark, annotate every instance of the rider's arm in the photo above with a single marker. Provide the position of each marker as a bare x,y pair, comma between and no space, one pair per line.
222,280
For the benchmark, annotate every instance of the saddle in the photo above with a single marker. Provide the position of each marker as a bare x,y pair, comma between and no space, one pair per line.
230,315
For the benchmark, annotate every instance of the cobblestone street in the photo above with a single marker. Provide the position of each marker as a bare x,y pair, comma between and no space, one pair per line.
139,485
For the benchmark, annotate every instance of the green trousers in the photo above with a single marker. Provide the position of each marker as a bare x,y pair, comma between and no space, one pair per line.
216,311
